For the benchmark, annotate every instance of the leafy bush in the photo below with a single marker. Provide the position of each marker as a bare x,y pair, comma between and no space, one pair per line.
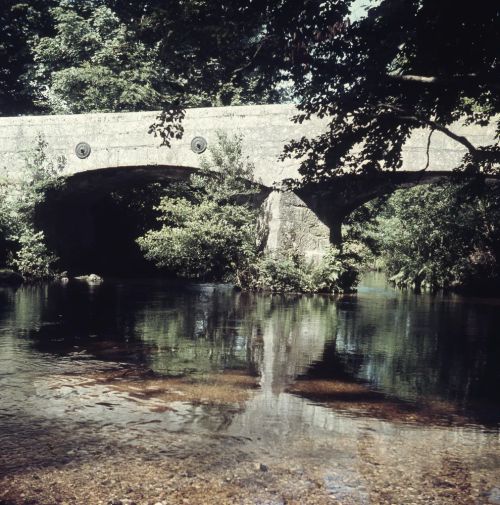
278,273
442,235
285,272
24,246
209,225
338,271
5,245
33,260
203,240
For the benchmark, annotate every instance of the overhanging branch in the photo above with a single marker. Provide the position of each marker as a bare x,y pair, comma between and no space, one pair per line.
457,79
253,58
403,114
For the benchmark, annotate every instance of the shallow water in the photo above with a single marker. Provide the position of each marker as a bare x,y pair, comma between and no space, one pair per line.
379,397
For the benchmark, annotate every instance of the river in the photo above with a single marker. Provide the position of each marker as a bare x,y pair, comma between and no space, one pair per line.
146,392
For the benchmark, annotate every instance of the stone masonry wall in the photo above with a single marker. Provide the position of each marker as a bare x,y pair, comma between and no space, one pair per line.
122,140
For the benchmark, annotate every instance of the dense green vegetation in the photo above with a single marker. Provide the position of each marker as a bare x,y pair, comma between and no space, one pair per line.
60,56
442,236
23,244
213,229
433,236
94,63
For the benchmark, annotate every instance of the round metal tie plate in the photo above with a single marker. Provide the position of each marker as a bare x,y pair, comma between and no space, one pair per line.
198,145
82,150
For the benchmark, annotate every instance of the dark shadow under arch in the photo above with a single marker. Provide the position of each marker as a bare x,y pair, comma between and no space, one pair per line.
112,178
91,230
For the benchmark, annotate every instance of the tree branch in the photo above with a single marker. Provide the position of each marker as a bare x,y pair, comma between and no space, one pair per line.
427,150
432,124
252,59
452,79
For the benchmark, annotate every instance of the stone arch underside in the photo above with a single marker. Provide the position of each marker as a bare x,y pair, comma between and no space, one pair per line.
112,178
334,200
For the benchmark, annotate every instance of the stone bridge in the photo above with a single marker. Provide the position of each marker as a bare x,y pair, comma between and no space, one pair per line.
107,151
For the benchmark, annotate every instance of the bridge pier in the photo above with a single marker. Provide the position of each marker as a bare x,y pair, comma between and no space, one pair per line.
292,224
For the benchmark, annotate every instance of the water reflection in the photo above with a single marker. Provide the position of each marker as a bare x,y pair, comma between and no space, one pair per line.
422,347
331,389
377,344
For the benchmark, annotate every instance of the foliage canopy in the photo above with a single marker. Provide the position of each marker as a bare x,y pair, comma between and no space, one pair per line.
94,63
60,56
443,235
403,65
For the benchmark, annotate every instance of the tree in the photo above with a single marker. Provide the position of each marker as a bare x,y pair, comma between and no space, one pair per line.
94,63
443,235
20,22
405,65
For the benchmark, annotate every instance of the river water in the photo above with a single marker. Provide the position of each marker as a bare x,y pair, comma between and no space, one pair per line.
152,392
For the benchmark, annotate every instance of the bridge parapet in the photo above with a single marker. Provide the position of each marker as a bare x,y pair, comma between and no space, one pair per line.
122,140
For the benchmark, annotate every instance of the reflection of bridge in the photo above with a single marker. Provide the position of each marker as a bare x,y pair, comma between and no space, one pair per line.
116,149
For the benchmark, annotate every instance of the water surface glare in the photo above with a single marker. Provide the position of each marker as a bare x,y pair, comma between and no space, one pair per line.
150,391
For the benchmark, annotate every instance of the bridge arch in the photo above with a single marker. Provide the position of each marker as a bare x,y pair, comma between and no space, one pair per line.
334,200
111,178
89,219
